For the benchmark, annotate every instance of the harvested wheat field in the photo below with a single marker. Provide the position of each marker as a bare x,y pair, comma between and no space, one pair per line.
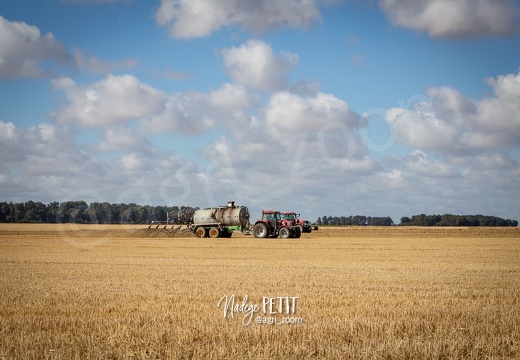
106,291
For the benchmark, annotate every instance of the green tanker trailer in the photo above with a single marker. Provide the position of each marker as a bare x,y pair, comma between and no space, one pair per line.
220,222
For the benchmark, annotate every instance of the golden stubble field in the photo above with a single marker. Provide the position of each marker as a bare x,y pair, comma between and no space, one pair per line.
107,291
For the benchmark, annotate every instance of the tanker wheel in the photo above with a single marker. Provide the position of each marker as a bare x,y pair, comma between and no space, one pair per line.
284,233
200,231
214,232
260,230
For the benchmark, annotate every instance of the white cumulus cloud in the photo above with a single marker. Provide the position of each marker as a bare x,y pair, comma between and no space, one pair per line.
450,122
231,96
113,100
455,18
122,138
24,50
187,112
289,112
254,64
200,18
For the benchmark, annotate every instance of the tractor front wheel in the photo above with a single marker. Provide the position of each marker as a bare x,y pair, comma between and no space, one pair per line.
260,230
284,233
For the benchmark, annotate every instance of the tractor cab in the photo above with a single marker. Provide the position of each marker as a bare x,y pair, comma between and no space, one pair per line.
291,216
273,217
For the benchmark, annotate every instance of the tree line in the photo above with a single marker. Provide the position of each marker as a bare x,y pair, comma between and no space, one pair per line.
105,213
456,220
359,220
417,220
82,213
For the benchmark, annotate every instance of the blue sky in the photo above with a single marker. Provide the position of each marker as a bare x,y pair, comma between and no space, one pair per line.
380,108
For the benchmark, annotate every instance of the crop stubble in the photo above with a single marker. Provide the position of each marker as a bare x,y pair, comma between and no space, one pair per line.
103,291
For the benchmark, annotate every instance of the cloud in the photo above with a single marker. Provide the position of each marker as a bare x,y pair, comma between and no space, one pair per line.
195,113
287,112
487,160
121,138
296,142
230,96
255,65
449,122
119,100
419,162
455,18
113,100
200,18
45,163
25,52
42,150
132,162
186,112
13,140
10,145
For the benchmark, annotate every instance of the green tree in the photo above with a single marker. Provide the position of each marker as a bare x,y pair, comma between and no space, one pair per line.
35,212
5,212
53,211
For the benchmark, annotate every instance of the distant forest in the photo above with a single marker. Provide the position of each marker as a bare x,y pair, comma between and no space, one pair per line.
359,220
418,220
82,213
456,220
105,213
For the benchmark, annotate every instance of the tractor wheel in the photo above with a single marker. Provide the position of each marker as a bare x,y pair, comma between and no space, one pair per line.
284,233
200,231
214,232
297,232
260,230
299,227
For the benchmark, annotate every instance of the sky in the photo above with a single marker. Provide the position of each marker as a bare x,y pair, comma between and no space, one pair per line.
323,107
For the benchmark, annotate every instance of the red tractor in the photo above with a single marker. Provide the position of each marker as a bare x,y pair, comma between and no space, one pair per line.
272,225
304,225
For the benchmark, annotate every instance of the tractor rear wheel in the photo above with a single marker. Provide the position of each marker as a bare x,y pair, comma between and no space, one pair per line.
284,233
260,230
214,232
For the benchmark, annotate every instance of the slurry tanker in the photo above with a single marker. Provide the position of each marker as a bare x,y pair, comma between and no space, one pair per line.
220,222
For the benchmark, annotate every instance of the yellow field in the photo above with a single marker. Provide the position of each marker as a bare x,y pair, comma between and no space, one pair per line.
94,291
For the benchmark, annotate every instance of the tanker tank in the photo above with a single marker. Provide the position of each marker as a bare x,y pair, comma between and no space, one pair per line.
221,221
